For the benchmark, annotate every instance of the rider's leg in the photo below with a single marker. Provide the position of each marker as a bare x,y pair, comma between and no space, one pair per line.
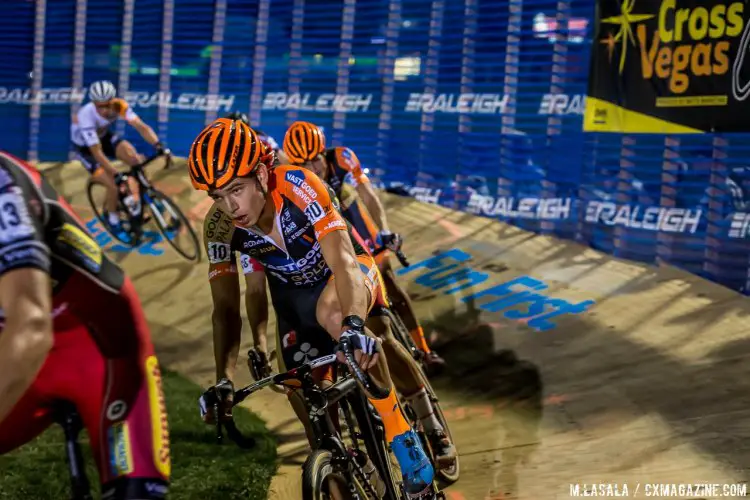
402,305
415,466
408,380
127,154
128,424
405,372
104,178
101,176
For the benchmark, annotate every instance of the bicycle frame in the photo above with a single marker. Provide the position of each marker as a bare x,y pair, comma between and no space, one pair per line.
67,417
318,402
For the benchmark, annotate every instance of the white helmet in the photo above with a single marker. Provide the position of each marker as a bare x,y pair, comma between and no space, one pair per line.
102,91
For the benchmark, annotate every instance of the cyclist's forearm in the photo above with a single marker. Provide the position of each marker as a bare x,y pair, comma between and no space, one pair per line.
374,206
351,291
22,354
148,134
257,315
227,329
103,161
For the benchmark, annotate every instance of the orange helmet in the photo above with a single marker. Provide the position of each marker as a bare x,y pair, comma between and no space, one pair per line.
223,151
303,142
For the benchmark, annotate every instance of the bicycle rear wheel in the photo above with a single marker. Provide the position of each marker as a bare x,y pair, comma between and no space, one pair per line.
402,335
450,474
173,225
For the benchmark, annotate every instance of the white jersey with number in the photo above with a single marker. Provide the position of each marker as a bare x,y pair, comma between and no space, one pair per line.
88,125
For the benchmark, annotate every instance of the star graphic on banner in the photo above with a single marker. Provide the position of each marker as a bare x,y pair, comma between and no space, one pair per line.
625,21
610,43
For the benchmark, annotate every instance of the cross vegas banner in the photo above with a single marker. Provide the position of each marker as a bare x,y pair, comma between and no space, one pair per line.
670,66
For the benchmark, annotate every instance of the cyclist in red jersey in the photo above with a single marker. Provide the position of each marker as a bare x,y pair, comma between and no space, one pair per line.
305,145
322,285
73,330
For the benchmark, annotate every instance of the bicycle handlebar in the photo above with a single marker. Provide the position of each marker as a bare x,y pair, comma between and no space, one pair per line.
149,160
298,373
399,255
362,377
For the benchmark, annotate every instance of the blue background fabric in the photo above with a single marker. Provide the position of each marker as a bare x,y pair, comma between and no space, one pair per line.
472,104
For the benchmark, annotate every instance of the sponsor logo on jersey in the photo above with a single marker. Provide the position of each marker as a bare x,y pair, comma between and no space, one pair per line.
121,457
253,242
335,223
159,425
219,226
289,339
84,248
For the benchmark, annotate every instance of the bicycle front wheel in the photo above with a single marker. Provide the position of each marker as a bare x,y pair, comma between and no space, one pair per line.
97,195
173,225
321,481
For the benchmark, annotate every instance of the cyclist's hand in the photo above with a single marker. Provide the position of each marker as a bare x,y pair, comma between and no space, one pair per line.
258,363
223,393
392,241
163,150
366,348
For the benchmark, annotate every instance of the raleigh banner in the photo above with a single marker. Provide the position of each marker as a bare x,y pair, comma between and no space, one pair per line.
670,66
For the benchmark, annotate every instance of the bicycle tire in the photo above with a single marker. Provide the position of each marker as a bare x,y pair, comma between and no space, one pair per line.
161,224
375,444
404,337
99,214
316,471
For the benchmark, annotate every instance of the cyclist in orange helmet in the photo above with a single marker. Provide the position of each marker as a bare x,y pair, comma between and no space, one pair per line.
305,145
285,219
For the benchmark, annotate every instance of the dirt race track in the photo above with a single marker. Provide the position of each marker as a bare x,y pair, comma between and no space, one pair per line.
649,384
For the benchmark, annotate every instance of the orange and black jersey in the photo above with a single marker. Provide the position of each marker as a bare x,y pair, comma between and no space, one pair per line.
344,175
343,168
305,212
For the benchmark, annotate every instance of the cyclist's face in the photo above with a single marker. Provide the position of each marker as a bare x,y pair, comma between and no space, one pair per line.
317,166
105,109
243,199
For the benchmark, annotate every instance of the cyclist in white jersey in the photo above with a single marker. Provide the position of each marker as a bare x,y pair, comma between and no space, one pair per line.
96,145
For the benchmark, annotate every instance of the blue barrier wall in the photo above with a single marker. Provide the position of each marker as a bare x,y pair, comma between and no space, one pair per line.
474,104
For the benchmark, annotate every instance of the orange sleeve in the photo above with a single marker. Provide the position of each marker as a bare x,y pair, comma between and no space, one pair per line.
307,191
348,161
121,106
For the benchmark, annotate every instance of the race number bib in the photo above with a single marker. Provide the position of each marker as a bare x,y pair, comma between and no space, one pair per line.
15,222
218,252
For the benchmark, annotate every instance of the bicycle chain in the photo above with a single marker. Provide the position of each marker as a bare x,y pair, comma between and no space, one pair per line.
363,480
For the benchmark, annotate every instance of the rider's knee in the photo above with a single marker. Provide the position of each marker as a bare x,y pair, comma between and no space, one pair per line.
127,153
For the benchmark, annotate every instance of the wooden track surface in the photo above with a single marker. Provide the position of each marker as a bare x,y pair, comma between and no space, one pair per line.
649,385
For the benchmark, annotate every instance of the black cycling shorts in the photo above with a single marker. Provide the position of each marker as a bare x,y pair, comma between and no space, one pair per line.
109,142
300,337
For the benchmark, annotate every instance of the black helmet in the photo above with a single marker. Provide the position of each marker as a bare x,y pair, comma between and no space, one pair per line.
239,115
